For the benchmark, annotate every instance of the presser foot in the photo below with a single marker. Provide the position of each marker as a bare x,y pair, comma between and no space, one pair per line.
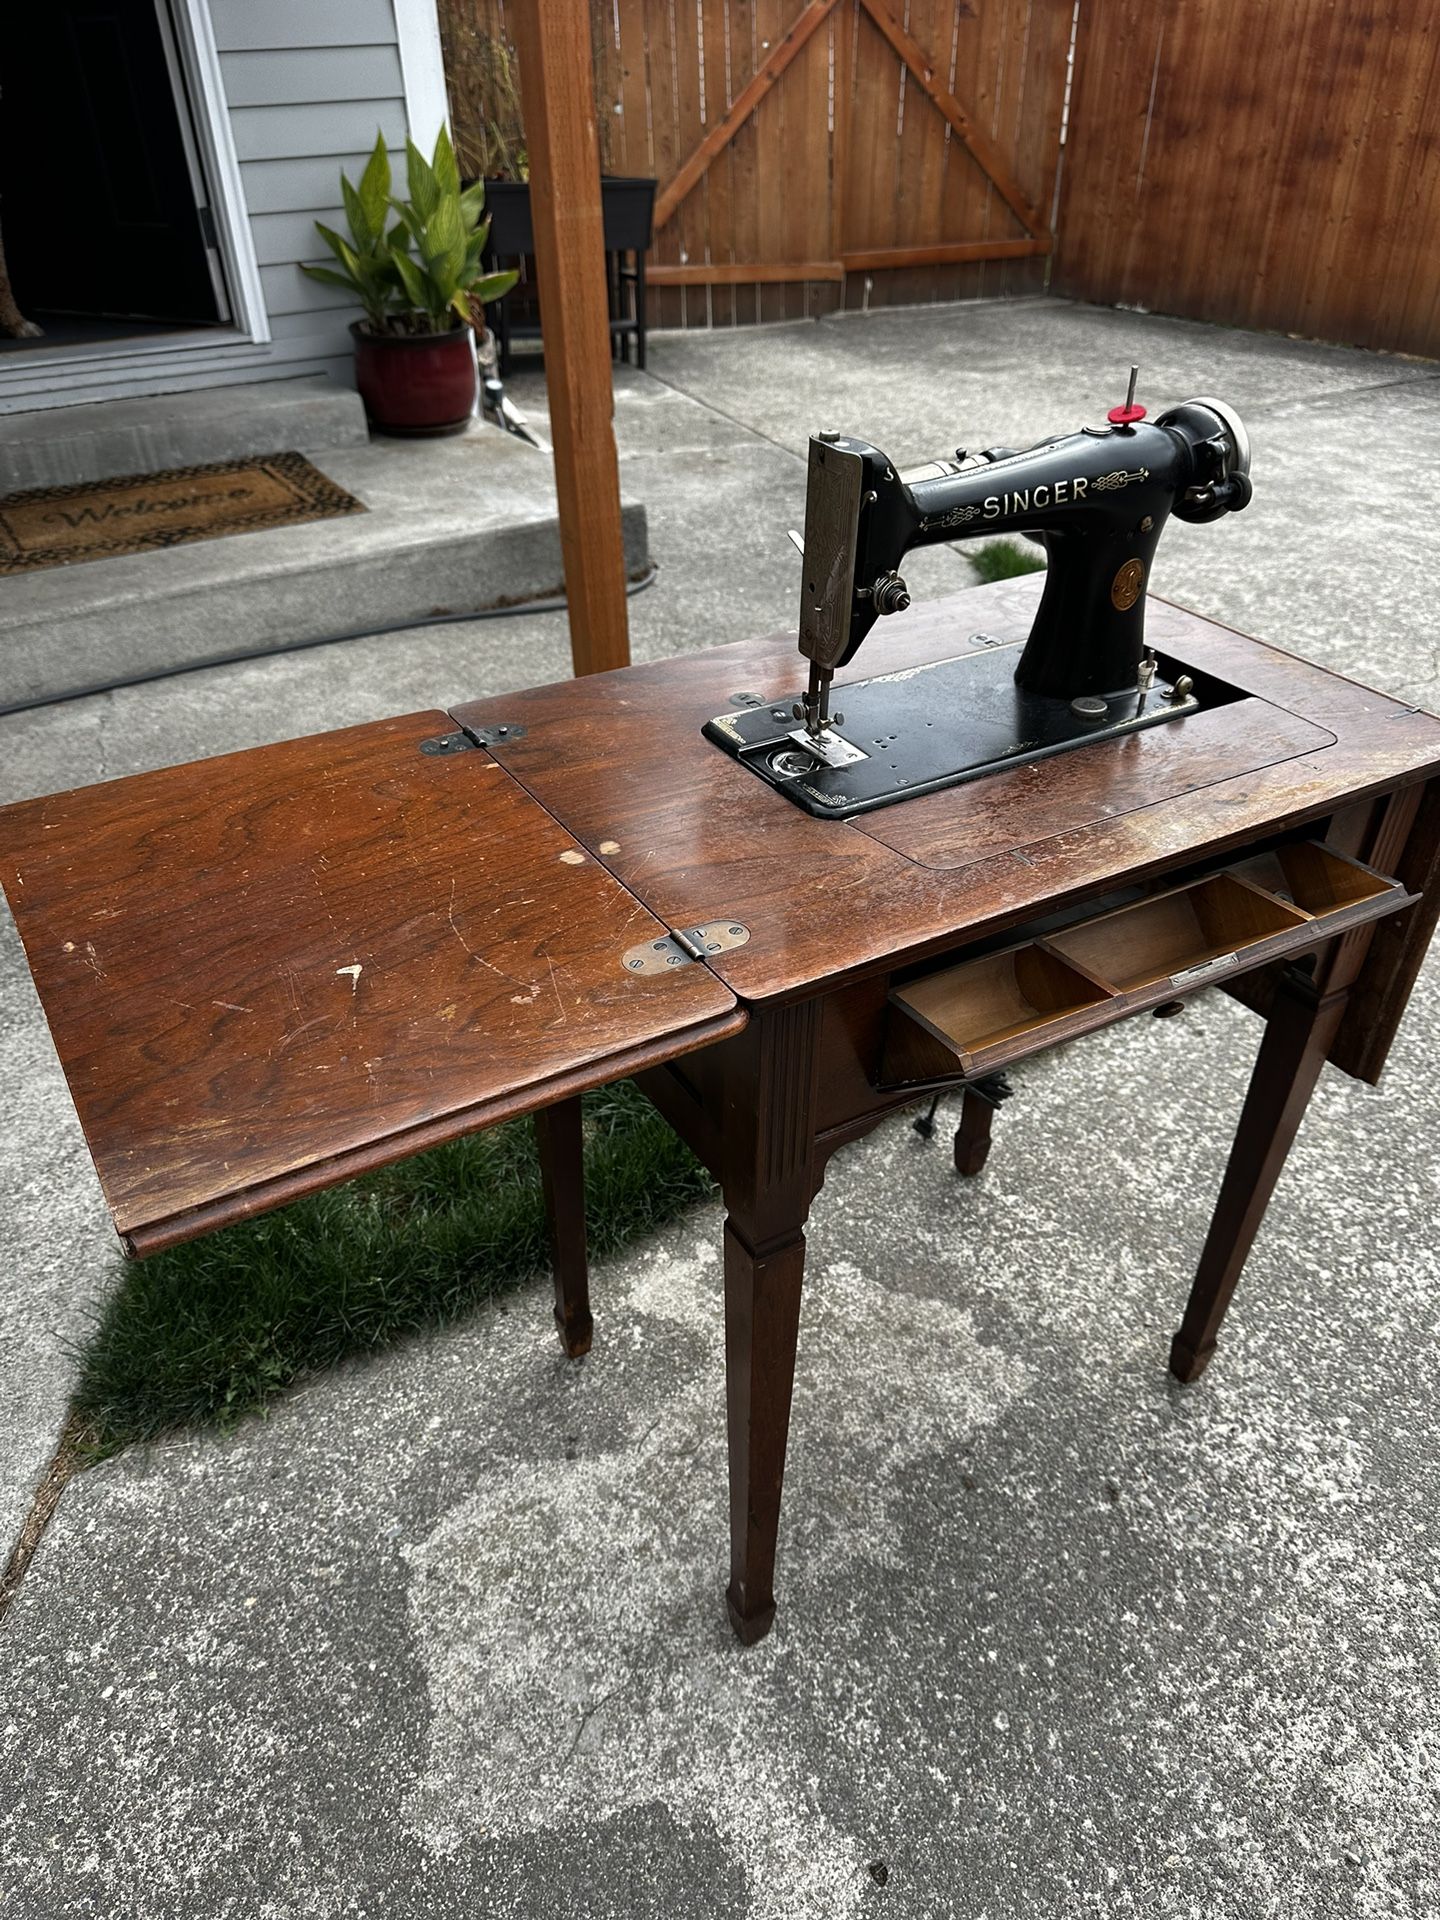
925,728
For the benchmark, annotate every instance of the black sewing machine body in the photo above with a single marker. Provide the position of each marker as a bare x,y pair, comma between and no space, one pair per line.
1097,499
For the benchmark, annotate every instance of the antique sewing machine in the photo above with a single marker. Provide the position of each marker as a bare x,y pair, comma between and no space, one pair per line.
1098,500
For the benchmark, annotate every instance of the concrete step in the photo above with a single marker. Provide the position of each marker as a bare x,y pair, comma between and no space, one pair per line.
454,526
66,446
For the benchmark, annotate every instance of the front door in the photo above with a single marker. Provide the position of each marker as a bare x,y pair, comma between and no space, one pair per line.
98,195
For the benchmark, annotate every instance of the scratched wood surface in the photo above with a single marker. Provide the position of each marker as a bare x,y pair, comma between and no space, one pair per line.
618,758
1264,166
266,971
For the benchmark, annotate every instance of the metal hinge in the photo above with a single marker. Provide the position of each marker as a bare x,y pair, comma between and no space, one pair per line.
684,947
470,737
447,743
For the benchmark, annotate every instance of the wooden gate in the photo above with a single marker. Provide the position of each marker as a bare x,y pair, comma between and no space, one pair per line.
819,153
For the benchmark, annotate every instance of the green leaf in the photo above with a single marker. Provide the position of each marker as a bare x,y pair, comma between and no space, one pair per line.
349,258
411,229
493,286
361,231
442,247
424,187
332,240
413,281
445,230
328,277
472,203
460,307
444,167
375,185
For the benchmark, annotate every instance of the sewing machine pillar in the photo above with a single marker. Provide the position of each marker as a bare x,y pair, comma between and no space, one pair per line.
1095,588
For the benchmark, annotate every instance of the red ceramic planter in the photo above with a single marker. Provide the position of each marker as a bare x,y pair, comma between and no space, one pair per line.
415,383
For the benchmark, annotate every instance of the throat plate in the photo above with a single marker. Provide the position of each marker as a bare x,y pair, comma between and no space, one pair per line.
935,726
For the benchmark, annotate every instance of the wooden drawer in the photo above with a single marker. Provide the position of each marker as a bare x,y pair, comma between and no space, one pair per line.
972,1018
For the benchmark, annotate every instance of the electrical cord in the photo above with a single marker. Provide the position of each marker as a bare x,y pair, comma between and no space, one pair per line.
552,603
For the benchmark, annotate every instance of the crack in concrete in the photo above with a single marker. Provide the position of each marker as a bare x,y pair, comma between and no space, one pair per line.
65,1463
734,420
1279,409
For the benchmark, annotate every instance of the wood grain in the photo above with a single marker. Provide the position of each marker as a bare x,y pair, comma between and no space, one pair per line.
1397,952
810,18
697,836
1334,109
266,971
986,151
553,40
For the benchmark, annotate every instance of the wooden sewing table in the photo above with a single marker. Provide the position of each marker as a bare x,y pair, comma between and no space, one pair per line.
267,972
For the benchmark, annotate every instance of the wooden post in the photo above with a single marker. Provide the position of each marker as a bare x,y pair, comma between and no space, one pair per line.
552,38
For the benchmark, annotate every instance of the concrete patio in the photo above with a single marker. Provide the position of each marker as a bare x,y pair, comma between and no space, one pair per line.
1056,1637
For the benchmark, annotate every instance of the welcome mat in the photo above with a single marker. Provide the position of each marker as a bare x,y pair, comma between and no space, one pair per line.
52,526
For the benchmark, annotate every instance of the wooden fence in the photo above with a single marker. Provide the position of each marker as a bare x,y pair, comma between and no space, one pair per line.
1266,165
811,154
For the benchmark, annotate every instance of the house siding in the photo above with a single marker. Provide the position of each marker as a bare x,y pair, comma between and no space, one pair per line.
309,87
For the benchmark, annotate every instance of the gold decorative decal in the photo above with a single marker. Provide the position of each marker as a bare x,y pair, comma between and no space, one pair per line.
1125,587
1037,499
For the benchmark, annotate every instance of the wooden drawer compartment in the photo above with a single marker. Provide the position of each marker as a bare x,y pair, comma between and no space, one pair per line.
974,1017
1194,930
1311,877
986,1002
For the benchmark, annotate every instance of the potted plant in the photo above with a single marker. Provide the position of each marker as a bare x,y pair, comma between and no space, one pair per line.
418,280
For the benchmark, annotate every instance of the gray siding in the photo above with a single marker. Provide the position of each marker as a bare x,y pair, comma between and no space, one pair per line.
309,86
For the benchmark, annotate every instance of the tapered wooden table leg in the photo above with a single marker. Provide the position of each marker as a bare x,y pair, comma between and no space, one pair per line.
762,1319
972,1136
768,1149
1302,1023
562,1175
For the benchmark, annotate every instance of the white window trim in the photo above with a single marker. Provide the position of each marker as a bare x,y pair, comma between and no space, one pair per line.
201,59
422,66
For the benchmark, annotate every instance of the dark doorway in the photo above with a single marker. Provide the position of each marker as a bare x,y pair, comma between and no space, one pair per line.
99,197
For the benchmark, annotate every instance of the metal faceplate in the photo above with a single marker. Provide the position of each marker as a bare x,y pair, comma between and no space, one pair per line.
832,519
936,726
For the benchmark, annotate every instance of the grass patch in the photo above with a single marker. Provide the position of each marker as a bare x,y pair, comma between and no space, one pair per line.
213,1331
1005,559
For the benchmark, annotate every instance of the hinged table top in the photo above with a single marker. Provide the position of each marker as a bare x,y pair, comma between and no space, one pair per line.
275,968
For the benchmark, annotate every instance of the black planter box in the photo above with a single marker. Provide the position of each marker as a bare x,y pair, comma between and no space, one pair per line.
628,212
627,207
